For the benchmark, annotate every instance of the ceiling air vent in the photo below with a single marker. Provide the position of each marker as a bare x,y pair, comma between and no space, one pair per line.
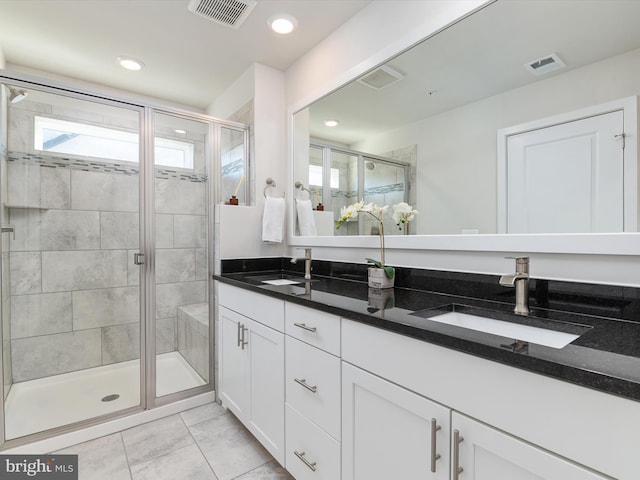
381,77
230,13
545,64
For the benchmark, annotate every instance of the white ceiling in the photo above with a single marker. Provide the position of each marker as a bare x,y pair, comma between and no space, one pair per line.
189,60
481,56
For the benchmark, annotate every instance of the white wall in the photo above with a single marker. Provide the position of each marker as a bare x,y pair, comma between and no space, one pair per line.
460,176
339,59
239,229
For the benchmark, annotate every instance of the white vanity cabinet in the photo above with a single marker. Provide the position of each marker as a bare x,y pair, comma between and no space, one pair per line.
391,432
484,453
312,373
513,424
251,363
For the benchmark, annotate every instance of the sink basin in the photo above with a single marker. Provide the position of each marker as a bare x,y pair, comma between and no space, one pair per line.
281,281
535,330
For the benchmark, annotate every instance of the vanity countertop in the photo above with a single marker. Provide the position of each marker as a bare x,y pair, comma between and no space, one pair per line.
605,357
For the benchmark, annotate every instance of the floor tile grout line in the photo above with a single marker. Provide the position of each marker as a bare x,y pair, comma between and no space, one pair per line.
255,468
195,441
126,455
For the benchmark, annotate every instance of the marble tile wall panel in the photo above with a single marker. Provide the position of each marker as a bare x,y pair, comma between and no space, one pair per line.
202,264
40,314
166,335
25,272
119,230
27,222
170,296
37,357
24,185
164,231
133,270
192,344
181,197
70,230
120,343
175,265
190,231
105,307
55,188
38,187
80,270
105,191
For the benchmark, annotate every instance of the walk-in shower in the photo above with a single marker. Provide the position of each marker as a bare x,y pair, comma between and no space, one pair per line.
106,214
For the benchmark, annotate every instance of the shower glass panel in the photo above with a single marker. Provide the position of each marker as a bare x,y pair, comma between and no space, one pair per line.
233,165
384,184
70,180
345,167
182,256
316,175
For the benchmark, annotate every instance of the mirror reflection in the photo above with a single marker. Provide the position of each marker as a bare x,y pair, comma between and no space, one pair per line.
520,118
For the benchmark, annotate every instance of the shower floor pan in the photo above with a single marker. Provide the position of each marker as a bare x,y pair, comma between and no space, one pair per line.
46,403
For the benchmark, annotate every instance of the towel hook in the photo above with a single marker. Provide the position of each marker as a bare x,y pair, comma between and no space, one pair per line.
270,184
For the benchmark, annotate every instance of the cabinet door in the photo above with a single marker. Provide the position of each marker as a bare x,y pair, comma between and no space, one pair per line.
233,362
488,454
389,432
265,418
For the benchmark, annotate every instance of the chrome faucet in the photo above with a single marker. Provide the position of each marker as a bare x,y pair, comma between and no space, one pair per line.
519,280
307,263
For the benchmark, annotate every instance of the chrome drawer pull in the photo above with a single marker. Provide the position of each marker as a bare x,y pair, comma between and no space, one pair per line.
434,455
303,382
244,340
300,455
457,440
304,327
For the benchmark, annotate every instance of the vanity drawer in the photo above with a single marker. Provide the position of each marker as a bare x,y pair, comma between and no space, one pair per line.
316,328
309,448
313,384
261,308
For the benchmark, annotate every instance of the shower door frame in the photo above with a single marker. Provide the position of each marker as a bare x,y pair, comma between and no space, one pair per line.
148,399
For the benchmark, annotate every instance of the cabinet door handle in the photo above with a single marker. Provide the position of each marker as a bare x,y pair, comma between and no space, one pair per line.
300,455
434,455
303,382
457,469
239,334
244,340
304,327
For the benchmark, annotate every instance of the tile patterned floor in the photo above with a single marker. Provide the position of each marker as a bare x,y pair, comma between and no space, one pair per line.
205,443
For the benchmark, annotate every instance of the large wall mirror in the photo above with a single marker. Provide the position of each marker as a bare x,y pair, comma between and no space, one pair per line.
519,119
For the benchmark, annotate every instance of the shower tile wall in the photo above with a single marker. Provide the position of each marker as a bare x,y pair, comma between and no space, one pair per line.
74,287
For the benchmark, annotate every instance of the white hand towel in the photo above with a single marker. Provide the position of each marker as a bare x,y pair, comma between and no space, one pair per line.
273,220
306,222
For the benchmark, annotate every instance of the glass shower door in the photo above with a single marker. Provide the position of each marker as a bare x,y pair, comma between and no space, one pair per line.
71,297
182,321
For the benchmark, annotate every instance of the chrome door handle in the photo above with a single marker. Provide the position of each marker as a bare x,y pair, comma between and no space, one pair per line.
138,258
244,341
239,333
300,455
434,455
304,327
303,382
457,469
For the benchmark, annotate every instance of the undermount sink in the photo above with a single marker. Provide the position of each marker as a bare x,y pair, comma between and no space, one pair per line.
550,333
279,279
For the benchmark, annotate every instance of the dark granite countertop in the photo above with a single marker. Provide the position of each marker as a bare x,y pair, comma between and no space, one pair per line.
605,356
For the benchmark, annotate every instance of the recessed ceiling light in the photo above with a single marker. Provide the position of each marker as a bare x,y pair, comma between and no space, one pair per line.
331,123
130,63
282,23
180,131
